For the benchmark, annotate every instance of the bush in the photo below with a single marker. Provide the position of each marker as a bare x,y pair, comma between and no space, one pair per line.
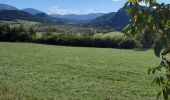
86,41
127,44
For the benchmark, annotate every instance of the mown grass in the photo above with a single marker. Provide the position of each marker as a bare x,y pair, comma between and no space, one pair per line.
34,71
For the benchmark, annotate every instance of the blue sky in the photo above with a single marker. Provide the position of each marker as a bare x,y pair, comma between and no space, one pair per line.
70,6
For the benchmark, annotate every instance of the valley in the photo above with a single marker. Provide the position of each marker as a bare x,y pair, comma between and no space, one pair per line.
84,50
96,20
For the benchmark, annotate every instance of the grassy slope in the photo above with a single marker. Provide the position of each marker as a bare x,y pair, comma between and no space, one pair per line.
34,71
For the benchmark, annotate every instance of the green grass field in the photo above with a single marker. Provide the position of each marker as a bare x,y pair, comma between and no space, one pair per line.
45,72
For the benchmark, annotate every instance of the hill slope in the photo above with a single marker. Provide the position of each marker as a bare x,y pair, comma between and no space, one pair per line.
8,12
7,7
32,11
45,18
120,19
16,14
112,20
103,21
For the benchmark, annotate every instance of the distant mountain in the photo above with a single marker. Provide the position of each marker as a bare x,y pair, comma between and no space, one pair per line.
45,18
9,13
32,11
78,17
16,14
7,7
121,19
103,21
112,20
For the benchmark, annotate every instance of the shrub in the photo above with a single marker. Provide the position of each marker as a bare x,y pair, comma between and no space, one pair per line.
86,41
127,44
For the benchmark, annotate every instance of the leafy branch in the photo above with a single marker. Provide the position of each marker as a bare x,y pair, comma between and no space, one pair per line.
154,17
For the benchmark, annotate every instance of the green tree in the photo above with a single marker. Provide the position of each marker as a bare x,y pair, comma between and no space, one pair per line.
32,33
155,17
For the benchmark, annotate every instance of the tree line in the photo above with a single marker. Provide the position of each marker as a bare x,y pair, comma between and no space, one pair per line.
28,34
16,33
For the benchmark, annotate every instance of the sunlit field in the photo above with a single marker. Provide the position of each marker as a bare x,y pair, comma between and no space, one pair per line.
35,71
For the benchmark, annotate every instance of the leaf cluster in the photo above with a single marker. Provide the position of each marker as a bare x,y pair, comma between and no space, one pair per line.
156,18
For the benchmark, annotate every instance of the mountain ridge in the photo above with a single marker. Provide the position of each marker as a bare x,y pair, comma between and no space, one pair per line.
7,7
32,11
112,20
77,17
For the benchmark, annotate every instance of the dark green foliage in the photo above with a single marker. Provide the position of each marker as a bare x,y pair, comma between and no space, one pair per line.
13,34
148,39
32,32
127,43
158,47
86,41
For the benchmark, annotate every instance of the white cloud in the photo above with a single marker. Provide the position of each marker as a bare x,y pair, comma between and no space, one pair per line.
89,10
61,11
57,10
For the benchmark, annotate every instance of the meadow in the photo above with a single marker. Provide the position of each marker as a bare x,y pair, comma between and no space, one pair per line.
45,72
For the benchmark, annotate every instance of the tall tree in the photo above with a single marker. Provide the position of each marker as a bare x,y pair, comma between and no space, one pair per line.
154,17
